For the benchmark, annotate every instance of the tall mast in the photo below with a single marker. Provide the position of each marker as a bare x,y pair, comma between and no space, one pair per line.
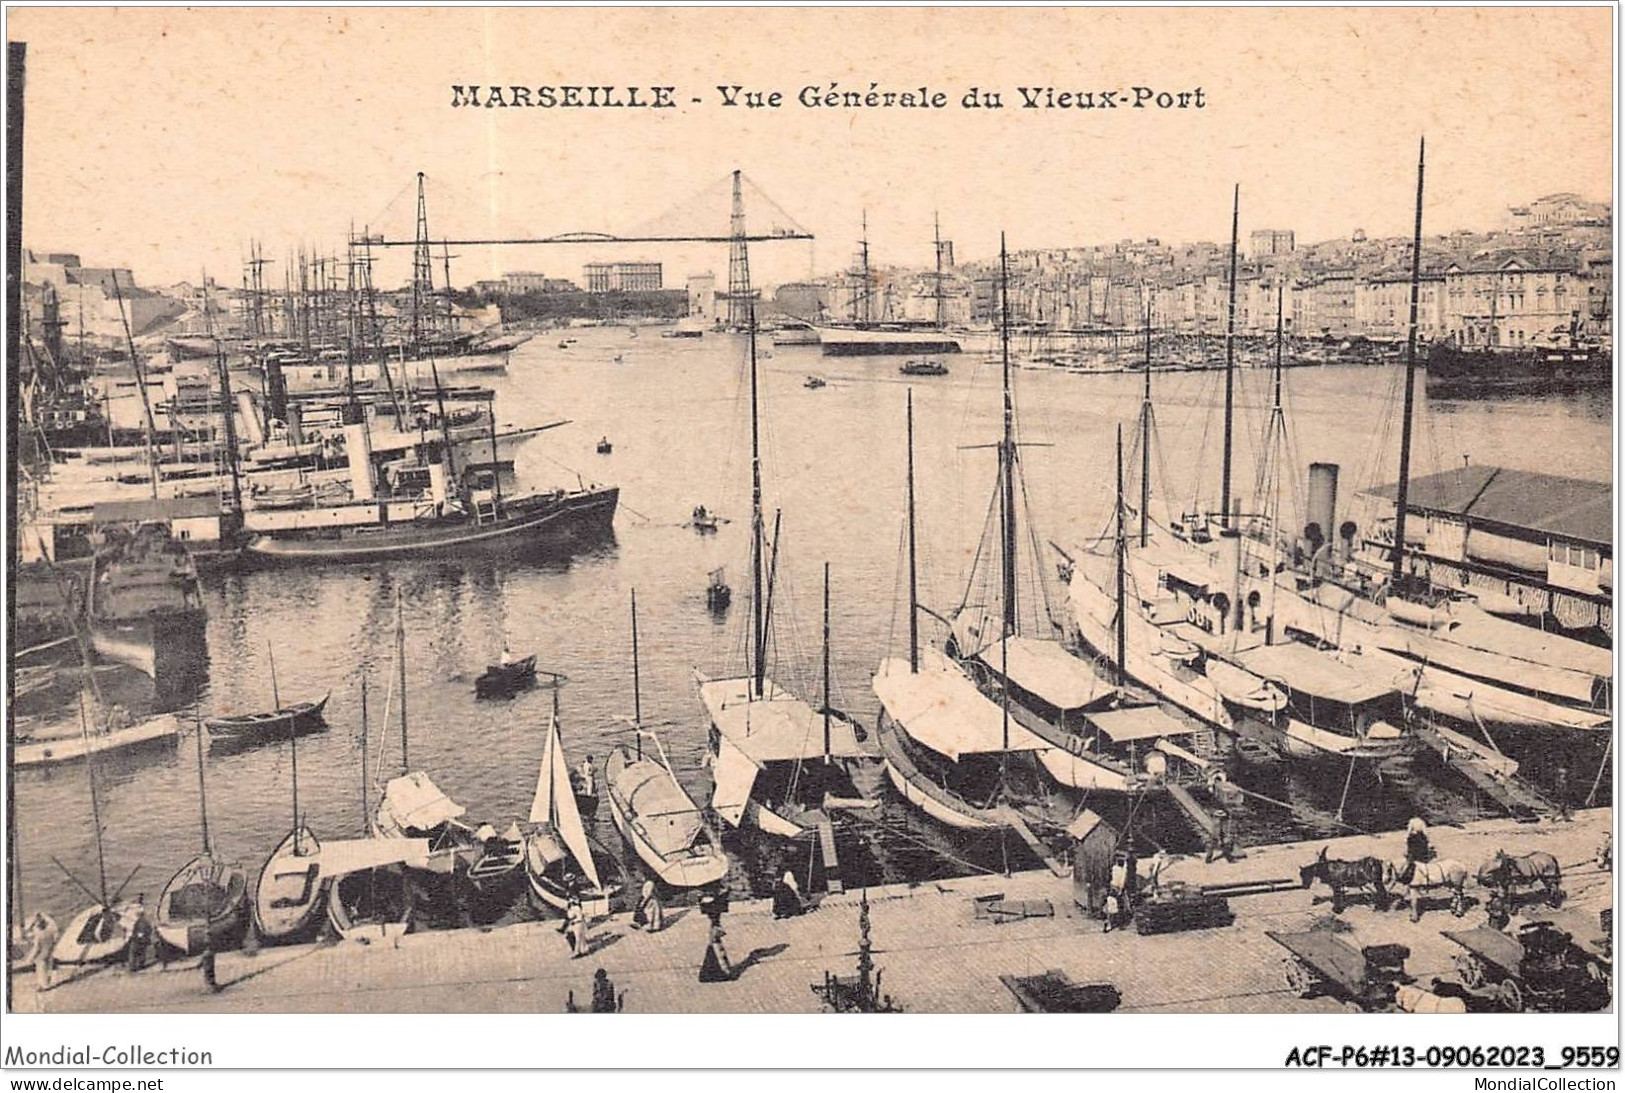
229,420
364,801
1403,497
826,662
141,385
936,227
1230,360
202,790
637,685
95,804
1121,551
758,622
1278,426
400,667
1145,437
422,269
913,585
1007,449
868,296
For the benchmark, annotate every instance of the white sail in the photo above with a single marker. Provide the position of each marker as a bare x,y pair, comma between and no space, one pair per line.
541,806
553,784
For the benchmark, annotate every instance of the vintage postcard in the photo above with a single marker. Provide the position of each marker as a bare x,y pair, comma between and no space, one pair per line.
879,510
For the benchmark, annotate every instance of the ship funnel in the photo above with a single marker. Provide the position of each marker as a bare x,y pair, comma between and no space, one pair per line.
358,450
1322,513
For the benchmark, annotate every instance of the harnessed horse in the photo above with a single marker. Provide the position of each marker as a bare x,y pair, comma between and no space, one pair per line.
1339,875
1537,869
1443,873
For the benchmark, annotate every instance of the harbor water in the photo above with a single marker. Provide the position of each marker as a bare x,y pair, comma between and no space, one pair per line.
677,413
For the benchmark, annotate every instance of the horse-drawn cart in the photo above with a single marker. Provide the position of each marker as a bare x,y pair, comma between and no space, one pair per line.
1324,964
1514,876
1539,969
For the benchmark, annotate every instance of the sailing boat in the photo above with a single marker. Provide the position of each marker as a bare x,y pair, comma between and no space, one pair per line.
561,859
944,743
1061,698
100,931
775,758
652,810
413,807
205,904
369,895
288,898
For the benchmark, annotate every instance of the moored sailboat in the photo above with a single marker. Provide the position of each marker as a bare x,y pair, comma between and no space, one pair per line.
205,904
561,860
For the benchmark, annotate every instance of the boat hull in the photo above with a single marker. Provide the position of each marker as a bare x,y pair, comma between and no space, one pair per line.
924,795
221,923
165,645
288,899
388,913
694,871
572,517
81,943
164,729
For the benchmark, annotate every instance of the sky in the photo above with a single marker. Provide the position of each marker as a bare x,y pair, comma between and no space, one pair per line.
165,140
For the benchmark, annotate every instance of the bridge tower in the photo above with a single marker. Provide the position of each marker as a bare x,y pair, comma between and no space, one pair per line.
422,273
739,290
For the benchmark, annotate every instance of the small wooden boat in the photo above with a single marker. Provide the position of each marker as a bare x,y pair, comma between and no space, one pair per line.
561,859
96,934
371,903
368,892
605,447
661,822
504,680
717,593
703,521
279,724
926,366
204,905
288,899
38,751
813,383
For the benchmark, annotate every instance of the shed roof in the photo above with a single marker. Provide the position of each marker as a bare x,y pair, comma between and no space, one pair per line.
1567,508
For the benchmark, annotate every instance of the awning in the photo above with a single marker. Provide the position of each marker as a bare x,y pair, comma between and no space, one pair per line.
1138,723
347,856
1315,673
942,709
1045,670
735,773
414,801
776,727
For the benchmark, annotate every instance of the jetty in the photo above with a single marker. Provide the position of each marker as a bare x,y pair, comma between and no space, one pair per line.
937,952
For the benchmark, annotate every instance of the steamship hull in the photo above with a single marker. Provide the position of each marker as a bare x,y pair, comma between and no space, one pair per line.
558,519
851,342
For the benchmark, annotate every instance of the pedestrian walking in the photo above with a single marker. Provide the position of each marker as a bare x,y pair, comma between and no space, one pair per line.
716,968
787,902
574,927
43,935
649,914
137,952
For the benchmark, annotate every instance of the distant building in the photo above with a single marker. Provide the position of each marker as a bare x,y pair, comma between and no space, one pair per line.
1268,243
802,300
702,297
1513,298
561,284
520,281
622,276
1556,210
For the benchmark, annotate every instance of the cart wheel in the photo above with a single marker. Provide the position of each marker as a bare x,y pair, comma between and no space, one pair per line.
1298,978
1511,996
1472,971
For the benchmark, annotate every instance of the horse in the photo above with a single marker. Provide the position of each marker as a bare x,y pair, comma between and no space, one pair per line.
1339,875
1442,873
1507,873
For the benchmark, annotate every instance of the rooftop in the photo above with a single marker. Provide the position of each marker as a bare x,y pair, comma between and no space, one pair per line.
1568,508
